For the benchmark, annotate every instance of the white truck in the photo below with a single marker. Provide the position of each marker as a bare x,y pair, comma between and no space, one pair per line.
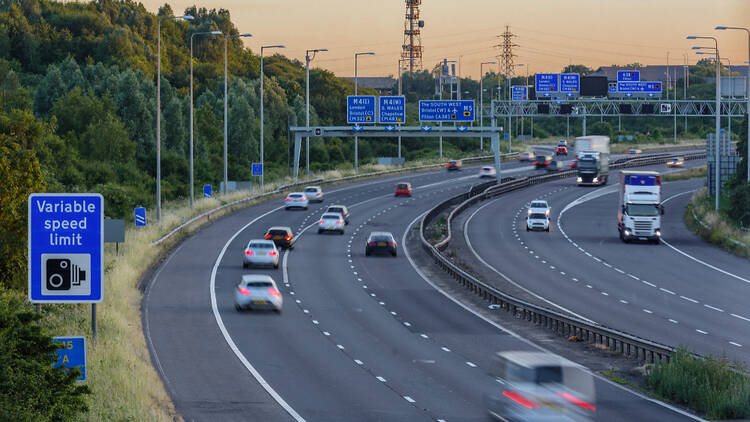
592,160
640,210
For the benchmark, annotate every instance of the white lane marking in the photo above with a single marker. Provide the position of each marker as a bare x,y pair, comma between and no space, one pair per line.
522,339
486,264
315,321
409,399
605,293
741,317
408,324
634,277
713,307
624,301
735,344
647,311
340,346
424,336
358,362
650,284
217,316
473,365
673,321
666,291
701,331
326,333
574,279
688,299
381,379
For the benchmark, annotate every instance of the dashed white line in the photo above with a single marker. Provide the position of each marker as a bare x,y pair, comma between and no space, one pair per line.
673,321
735,344
381,379
340,346
647,283
647,311
409,399
424,336
445,349
624,301
741,317
713,307
358,362
605,293
701,331
666,291
408,324
473,365
326,333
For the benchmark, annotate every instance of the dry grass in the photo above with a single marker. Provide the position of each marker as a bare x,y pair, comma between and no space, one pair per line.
685,174
701,218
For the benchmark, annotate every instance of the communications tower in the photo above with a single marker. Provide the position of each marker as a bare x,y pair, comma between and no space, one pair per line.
412,49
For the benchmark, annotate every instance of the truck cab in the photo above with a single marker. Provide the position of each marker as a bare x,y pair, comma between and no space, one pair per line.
592,160
640,209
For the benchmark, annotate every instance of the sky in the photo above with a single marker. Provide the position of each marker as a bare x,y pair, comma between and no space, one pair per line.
550,34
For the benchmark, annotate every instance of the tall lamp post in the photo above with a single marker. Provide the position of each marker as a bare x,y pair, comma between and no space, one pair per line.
356,138
718,110
158,110
307,102
481,100
729,113
262,164
747,92
192,187
226,105
527,77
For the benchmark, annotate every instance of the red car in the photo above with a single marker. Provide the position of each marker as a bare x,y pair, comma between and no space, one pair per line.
561,150
453,165
403,189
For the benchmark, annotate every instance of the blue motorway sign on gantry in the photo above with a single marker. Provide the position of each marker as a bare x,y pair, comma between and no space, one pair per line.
360,109
207,191
446,110
570,82
392,109
628,75
639,87
519,93
256,169
546,84
66,240
72,354
140,216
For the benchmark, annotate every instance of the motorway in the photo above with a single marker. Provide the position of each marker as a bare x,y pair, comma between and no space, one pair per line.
359,338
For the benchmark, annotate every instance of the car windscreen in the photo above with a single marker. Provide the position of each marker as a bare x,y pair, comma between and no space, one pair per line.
310,190
537,216
259,284
334,209
330,217
587,164
381,238
643,210
538,205
278,232
402,186
295,195
260,246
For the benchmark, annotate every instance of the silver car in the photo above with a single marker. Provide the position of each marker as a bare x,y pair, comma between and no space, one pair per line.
256,292
260,252
314,193
331,222
296,200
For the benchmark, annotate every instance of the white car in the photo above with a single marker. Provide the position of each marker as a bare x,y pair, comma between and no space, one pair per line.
539,206
331,222
537,221
487,171
314,193
296,200
260,252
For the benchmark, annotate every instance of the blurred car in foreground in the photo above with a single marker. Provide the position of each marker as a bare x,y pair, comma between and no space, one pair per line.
296,200
676,162
453,165
403,189
281,236
340,209
331,222
314,193
381,242
260,252
525,156
538,386
487,171
257,292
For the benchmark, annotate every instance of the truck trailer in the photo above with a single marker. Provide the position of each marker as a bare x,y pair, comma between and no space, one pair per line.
639,210
592,160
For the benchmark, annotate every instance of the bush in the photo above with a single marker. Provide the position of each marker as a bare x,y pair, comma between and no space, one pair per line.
30,388
712,386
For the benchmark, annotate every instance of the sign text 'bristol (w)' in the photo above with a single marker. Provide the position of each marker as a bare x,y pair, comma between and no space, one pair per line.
446,111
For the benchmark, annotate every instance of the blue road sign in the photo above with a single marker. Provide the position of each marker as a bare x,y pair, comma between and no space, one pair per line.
66,240
628,75
140,216
207,191
612,87
519,93
506,135
360,109
546,84
392,109
639,87
72,355
256,169
446,110
570,82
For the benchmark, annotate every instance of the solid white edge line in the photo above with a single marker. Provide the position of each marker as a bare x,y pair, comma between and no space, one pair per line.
258,377
529,342
495,270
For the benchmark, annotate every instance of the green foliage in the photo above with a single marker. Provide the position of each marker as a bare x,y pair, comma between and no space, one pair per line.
583,70
30,388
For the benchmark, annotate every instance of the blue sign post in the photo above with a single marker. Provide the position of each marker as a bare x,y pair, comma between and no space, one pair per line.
360,109
628,75
207,191
392,109
66,242
546,84
257,169
639,87
446,110
140,216
72,354
570,83
519,93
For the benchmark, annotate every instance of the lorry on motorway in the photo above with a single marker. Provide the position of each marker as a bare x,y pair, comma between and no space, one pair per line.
592,160
639,211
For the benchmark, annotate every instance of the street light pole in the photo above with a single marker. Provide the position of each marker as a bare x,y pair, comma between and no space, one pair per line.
226,104
747,91
158,110
522,108
307,103
192,187
356,138
481,100
262,163
717,183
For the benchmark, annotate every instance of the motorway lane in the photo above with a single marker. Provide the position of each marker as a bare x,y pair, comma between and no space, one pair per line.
203,376
648,290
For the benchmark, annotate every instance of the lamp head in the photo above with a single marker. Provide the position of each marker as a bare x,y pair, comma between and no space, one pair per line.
720,28
186,17
215,32
691,37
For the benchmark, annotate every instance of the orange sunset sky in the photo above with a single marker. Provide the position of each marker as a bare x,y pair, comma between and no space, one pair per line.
550,33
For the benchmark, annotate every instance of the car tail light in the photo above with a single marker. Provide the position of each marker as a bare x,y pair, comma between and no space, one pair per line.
572,164
288,199
448,165
523,401
245,291
249,252
535,162
274,292
268,236
370,243
339,223
546,163
288,237
577,401
273,253
317,194
321,222
391,243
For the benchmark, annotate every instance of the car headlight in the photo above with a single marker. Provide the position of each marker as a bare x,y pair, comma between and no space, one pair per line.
546,212
579,180
528,211
658,232
595,179
627,232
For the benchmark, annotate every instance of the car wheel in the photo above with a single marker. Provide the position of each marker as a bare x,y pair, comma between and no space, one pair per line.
278,311
320,231
547,229
237,307
527,228
395,254
341,232
305,208
276,266
244,265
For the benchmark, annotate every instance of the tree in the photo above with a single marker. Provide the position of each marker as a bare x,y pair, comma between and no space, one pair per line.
578,68
30,388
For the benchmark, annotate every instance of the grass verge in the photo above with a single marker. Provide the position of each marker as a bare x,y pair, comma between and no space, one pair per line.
686,174
715,387
701,218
